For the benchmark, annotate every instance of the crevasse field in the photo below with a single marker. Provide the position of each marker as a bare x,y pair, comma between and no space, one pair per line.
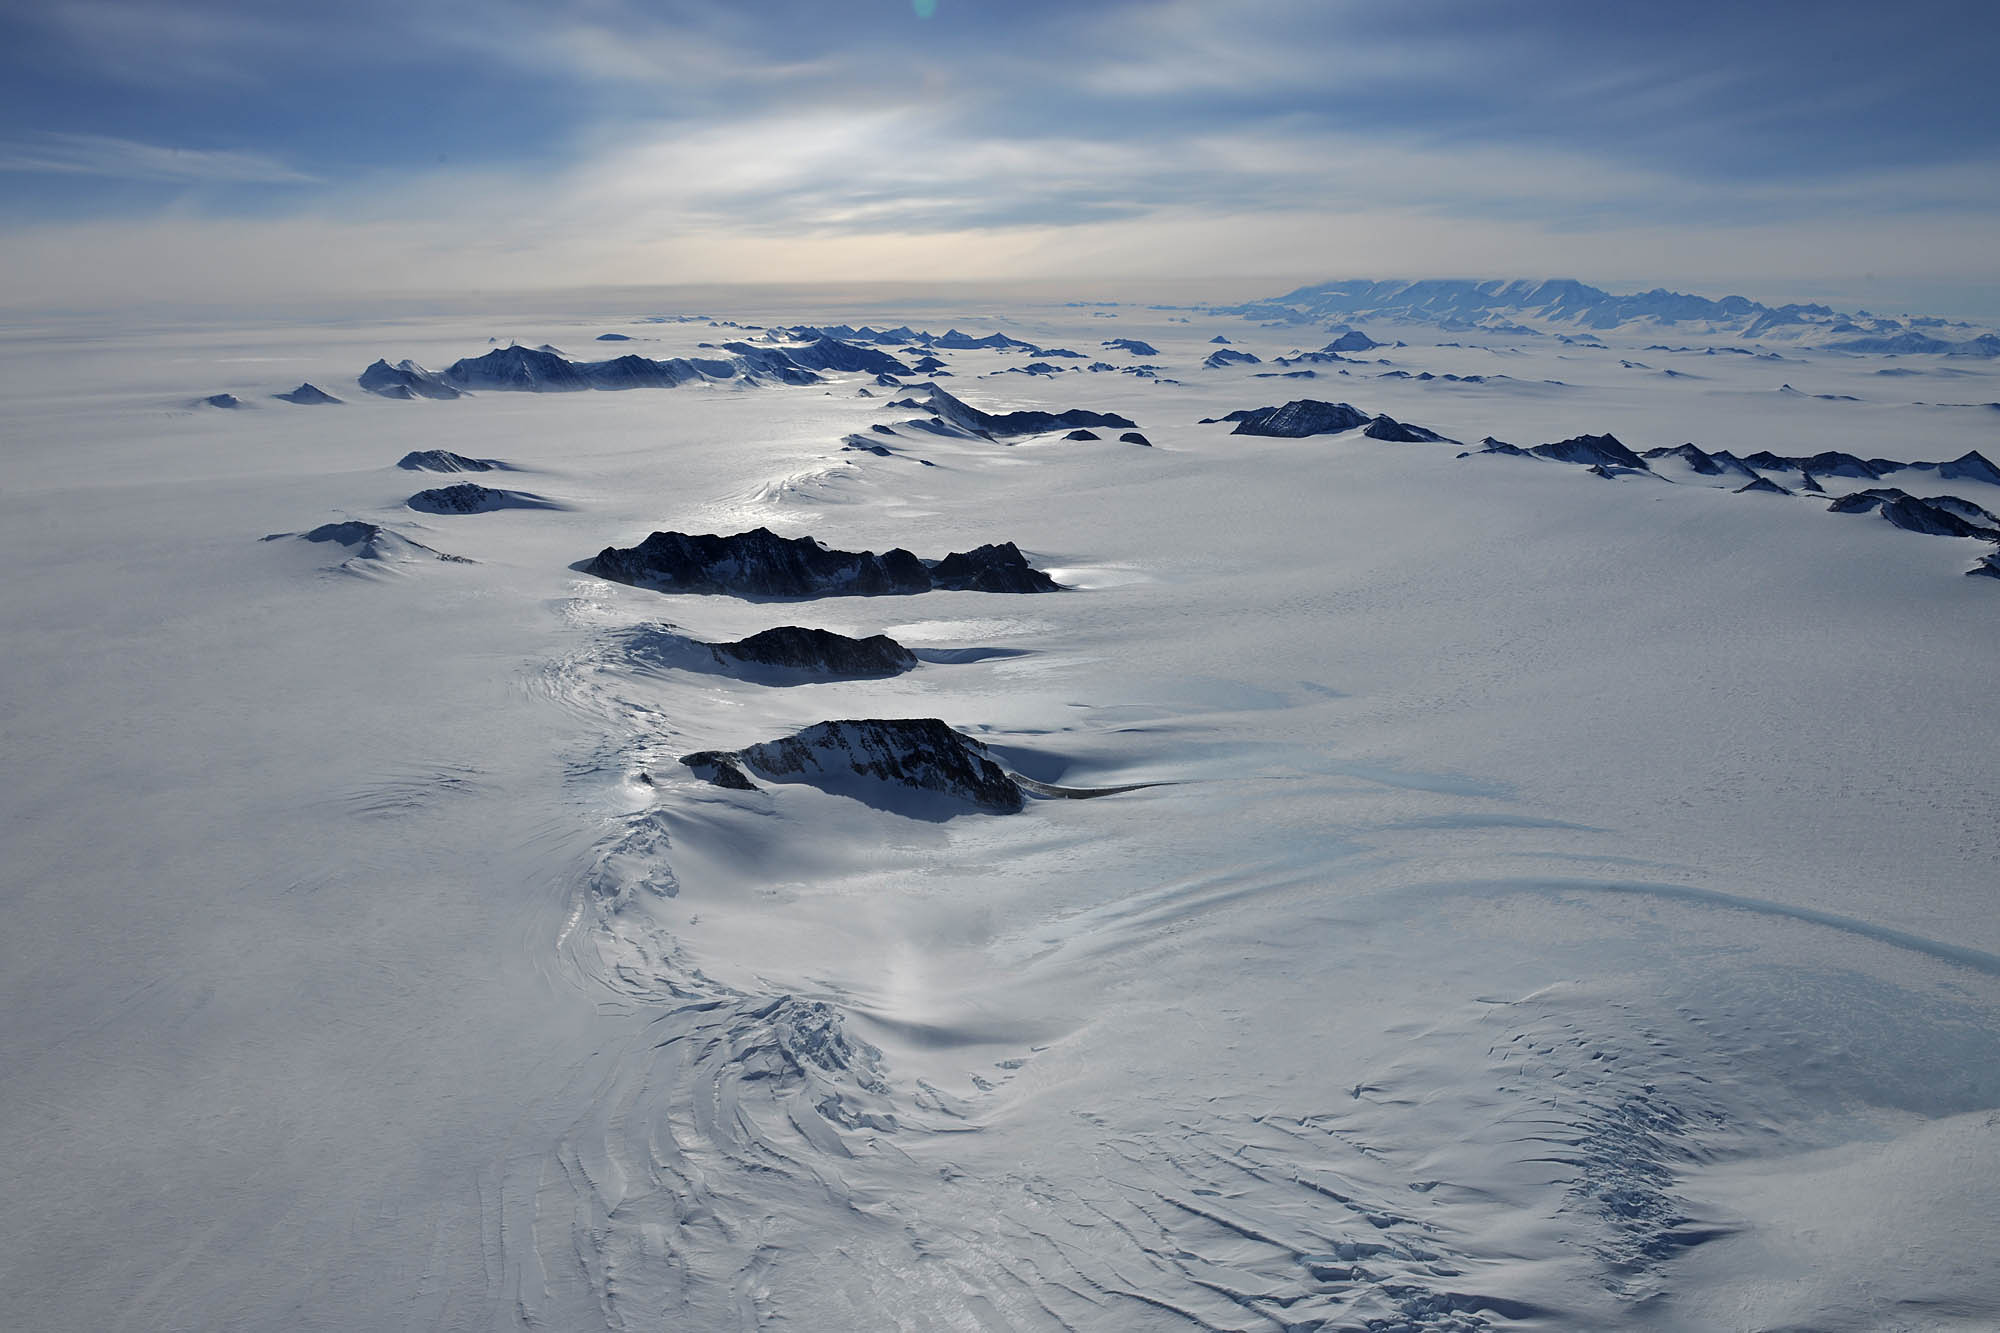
1526,898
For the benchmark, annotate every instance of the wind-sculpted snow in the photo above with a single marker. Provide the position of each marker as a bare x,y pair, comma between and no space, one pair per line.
760,563
899,763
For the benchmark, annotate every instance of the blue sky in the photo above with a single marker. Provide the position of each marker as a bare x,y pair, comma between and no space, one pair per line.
255,147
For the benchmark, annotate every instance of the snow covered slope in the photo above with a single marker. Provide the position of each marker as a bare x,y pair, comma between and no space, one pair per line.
1517,889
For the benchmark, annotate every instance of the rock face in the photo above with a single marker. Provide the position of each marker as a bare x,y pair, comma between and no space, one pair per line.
1298,418
1134,437
832,354
1015,423
1132,345
1399,432
406,379
1354,340
1937,515
1762,486
471,498
882,761
224,400
614,338
1083,435
759,563
443,460
821,652
990,568
308,395
1225,357
1601,450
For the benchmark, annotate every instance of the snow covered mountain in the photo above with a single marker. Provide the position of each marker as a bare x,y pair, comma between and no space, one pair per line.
1525,306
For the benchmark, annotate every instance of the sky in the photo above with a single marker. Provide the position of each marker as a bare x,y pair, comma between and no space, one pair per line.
189,149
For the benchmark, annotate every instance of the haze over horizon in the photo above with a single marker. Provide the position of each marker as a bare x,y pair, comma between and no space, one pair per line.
223,150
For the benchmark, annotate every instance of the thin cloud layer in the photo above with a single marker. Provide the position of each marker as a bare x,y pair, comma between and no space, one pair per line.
619,141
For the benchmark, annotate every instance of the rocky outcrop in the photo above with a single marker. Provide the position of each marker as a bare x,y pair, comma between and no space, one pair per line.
1001,424
832,354
471,498
759,563
1298,418
227,401
1134,437
1762,486
308,395
405,379
370,543
990,568
1400,432
1218,360
1133,345
1603,450
821,652
443,460
1937,515
1354,340
886,762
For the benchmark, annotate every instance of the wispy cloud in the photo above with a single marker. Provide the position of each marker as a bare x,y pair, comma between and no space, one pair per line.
129,159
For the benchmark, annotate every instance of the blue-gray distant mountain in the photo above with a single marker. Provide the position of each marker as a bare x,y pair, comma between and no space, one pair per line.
1499,306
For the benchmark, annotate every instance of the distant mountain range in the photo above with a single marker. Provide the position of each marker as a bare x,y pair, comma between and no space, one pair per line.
1533,307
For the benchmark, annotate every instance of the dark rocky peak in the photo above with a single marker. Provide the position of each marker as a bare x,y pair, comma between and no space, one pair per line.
1133,345
1399,432
913,766
308,395
832,354
1762,486
761,564
990,568
1354,340
1936,515
1592,449
1083,435
533,369
1698,461
405,379
471,498
1299,418
821,652
1134,437
999,424
443,460
227,401
1227,356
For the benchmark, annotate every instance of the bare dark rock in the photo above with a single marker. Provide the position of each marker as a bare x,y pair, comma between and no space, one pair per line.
883,761
405,379
821,652
1134,437
1298,418
308,395
759,563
